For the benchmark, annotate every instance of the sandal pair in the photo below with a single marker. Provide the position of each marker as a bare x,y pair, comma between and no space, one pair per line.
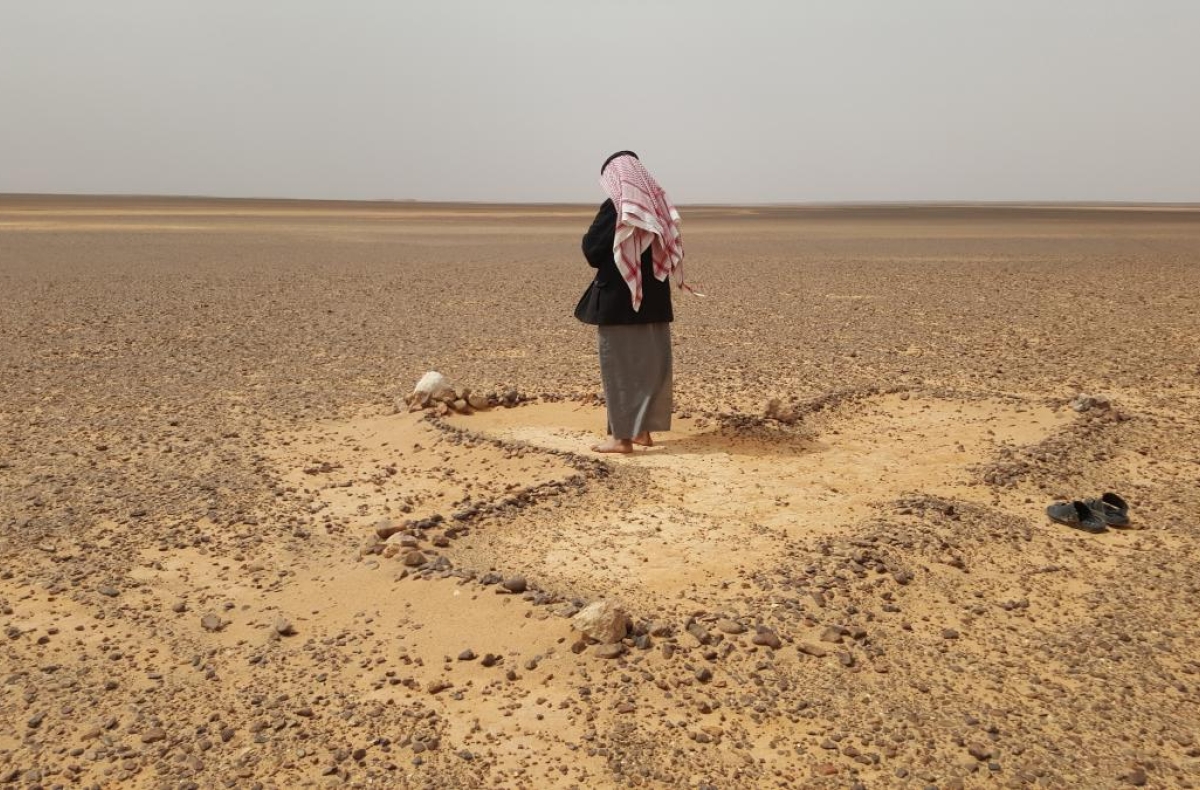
1091,515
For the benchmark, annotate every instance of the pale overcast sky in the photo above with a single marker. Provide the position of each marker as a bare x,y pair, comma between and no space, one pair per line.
521,100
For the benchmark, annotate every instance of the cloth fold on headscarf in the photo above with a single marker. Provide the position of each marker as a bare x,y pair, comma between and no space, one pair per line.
645,218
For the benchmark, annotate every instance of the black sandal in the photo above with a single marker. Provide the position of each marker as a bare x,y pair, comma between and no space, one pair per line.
1111,508
1077,515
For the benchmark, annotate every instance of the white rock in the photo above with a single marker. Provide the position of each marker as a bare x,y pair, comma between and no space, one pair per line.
432,386
603,621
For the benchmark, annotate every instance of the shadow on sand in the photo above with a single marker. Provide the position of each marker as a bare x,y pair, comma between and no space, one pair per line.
722,442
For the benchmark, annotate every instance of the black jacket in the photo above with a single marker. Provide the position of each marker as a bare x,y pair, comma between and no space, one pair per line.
608,300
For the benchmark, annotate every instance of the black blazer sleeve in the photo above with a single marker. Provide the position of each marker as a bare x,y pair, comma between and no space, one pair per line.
598,241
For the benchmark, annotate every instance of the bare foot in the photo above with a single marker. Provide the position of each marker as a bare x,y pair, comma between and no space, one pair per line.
644,439
612,445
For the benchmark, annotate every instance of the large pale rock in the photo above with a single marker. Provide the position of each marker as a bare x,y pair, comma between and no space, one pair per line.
603,621
433,386
397,543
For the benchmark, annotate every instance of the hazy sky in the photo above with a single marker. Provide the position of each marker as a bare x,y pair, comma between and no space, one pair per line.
750,101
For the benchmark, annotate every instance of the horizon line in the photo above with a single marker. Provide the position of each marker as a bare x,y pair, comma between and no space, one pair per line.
930,203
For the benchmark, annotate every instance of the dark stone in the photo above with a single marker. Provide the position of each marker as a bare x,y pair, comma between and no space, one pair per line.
767,638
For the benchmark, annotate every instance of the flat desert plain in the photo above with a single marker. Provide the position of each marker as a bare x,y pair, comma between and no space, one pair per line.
203,439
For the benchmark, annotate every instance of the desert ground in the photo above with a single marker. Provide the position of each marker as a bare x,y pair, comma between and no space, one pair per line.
836,568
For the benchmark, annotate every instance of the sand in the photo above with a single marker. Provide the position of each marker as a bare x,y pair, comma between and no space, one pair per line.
200,435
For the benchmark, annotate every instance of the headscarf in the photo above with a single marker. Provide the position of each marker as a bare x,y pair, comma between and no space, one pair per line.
645,218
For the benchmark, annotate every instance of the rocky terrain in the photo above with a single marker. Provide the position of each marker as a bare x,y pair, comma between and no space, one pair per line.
232,554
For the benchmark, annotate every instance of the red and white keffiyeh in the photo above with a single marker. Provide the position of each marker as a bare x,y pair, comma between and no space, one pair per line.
645,218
